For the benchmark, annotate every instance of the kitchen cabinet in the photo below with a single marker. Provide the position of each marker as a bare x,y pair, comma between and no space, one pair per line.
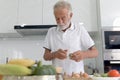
48,15
41,12
110,11
8,15
84,11
30,12
36,12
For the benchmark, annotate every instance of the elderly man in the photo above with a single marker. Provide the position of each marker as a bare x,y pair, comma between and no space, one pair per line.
68,44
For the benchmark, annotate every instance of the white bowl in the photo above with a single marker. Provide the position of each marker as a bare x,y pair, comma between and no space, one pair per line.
105,78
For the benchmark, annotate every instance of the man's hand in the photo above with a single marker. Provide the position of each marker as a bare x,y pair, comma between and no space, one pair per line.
60,54
92,52
77,56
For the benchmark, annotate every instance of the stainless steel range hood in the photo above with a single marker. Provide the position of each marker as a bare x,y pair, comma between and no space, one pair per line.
32,30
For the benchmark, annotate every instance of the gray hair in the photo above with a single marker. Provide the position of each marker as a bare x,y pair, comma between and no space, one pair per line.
63,4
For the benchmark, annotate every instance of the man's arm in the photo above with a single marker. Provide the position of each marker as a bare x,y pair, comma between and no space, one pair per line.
92,52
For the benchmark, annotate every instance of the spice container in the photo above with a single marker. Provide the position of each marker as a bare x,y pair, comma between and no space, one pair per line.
59,73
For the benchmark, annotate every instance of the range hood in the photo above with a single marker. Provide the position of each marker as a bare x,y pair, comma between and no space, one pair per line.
32,30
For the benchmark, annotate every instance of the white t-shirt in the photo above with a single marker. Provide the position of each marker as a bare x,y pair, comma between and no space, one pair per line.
73,39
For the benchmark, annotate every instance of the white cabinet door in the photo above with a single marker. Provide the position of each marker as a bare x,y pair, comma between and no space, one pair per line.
48,15
8,15
30,12
110,13
85,11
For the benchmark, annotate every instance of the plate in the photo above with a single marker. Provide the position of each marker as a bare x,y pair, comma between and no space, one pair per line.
45,77
105,78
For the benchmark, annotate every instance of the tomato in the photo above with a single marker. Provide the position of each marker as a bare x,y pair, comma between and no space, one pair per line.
113,73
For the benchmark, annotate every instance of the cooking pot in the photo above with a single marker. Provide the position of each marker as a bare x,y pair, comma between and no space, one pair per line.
45,77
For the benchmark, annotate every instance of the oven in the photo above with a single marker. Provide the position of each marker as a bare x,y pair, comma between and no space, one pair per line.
111,48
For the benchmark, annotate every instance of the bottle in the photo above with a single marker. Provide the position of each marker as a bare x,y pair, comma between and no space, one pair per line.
59,73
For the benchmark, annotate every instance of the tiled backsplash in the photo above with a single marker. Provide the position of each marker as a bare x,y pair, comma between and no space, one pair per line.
22,47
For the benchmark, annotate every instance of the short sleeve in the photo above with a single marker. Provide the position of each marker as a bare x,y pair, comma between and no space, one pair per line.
47,40
86,40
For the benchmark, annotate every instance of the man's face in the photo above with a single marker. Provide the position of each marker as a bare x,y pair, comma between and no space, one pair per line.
63,18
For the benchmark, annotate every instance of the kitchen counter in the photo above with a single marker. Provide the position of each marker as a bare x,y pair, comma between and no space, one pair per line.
46,77
52,77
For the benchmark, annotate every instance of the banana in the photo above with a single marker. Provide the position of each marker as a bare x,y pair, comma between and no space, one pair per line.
23,62
13,69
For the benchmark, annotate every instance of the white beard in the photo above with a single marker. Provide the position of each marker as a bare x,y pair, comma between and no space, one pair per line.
63,27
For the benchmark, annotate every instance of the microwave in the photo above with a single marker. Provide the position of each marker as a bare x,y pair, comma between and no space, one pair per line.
111,43
111,38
